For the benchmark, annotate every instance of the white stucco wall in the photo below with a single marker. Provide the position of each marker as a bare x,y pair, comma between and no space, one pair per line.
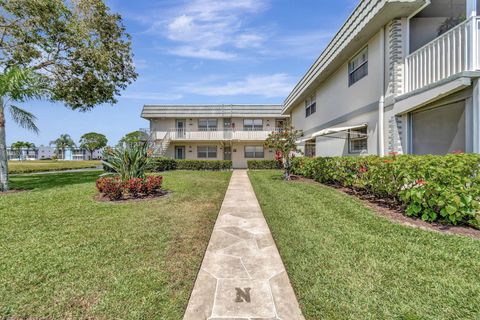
238,152
339,105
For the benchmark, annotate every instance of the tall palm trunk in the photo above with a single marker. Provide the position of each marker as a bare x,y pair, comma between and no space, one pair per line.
3,150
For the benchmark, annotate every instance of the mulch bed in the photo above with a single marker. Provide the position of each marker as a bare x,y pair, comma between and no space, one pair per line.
394,212
102,198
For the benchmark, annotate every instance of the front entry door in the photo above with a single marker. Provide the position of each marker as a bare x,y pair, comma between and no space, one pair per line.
180,153
180,126
227,153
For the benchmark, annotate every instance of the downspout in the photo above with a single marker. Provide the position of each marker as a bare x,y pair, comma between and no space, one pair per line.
381,102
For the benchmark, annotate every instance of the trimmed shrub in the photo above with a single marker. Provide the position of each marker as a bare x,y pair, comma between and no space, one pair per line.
167,164
162,164
214,165
434,188
115,189
263,164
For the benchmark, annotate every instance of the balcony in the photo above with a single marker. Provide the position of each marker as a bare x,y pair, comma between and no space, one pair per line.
211,135
453,52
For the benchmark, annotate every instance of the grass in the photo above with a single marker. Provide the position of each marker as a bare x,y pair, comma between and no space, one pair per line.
65,256
345,262
16,167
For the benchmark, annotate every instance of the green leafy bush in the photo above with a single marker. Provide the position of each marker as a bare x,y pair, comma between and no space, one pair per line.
162,164
434,188
127,161
204,164
263,164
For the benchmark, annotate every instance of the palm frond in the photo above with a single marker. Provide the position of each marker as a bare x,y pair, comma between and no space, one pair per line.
24,118
22,84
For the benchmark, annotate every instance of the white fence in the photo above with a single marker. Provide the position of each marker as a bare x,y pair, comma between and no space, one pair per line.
453,52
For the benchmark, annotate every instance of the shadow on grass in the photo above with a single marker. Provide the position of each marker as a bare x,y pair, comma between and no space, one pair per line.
51,180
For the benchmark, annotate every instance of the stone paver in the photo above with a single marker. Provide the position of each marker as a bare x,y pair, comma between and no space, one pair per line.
242,275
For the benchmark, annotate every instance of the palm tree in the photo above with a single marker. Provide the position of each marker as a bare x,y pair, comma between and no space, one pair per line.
62,143
17,148
17,86
29,146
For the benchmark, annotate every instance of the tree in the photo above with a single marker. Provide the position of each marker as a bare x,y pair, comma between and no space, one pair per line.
134,137
93,141
62,143
80,49
17,147
284,142
16,86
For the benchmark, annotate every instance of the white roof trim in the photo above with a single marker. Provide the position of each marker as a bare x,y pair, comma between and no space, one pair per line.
328,131
358,26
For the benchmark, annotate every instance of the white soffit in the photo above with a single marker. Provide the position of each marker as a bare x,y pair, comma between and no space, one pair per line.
329,131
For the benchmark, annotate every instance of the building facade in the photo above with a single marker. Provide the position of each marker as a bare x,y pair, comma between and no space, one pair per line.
47,152
213,132
399,76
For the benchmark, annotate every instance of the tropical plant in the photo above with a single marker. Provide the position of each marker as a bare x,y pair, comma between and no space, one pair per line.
284,142
93,141
19,145
80,49
16,86
128,161
62,143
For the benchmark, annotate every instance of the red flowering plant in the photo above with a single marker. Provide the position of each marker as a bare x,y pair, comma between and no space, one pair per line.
127,164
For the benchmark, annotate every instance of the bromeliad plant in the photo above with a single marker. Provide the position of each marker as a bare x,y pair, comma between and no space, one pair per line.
126,166
127,161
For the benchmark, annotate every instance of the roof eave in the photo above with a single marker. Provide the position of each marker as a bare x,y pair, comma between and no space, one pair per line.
339,50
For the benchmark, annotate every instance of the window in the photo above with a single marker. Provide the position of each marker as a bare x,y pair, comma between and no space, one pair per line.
253,124
310,106
357,140
207,152
207,124
254,152
310,149
358,67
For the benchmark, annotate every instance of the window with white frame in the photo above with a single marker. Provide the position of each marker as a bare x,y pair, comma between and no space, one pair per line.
310,149
253,124
254,152
357,140
358,67
207,152
310,106
207,124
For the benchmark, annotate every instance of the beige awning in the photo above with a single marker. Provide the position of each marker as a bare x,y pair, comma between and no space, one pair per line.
329,131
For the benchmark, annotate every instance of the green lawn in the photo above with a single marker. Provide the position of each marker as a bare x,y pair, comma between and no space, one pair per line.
65,256
347,263
49,165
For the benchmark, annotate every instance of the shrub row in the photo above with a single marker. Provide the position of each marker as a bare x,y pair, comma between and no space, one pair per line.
115,188
435,188
263,164
166,164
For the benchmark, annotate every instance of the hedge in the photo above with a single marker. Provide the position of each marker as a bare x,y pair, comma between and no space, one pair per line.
166,164
263,164
434,188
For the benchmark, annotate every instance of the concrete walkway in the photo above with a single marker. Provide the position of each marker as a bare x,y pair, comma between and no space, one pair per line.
242,275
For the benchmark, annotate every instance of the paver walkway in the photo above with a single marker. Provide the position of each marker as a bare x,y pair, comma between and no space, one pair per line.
242,275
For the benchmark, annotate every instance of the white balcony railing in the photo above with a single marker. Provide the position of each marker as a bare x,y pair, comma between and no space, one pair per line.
212,135
451,53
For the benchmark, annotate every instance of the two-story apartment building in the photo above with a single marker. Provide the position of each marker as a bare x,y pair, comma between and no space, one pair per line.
213,132
399,76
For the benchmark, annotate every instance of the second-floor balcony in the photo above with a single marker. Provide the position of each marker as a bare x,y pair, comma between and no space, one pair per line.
212,135
451,53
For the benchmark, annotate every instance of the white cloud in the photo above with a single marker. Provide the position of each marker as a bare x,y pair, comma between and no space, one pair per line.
268,86
203,53
205,28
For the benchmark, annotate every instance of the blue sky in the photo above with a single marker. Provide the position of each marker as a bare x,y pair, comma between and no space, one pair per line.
202,51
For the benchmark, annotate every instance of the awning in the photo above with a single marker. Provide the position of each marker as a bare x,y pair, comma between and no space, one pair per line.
303,140
329,131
